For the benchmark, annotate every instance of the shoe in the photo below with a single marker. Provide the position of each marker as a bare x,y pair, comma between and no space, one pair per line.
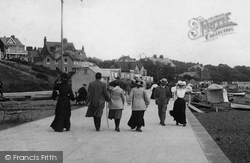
98,129
163,124
117,129
184,125
177,123
58,130
139,130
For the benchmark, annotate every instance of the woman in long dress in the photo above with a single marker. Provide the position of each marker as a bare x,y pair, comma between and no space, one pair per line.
179,110
116,103
140,101
63,106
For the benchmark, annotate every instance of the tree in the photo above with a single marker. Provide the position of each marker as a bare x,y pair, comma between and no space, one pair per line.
187,77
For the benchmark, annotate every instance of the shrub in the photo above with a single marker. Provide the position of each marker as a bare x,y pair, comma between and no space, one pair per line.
42,69
19,60
42,76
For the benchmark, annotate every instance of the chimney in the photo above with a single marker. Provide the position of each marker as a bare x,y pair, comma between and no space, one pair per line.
45,40
29,48
65,40
13,36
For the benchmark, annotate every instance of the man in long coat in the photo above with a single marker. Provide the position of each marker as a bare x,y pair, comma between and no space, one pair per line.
98,94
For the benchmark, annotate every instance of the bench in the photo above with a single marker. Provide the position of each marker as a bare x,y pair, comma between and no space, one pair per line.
12,109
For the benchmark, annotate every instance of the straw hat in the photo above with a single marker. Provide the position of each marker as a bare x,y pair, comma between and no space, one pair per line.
181,83
164,81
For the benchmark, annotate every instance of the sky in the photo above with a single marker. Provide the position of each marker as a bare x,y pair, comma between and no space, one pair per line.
109,29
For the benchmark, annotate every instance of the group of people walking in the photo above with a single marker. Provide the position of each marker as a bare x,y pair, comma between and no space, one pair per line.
138,99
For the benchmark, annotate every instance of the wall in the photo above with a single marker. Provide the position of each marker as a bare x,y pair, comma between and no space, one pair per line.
80,78
52,62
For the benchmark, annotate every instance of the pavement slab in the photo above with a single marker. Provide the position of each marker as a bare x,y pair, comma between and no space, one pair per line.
82,144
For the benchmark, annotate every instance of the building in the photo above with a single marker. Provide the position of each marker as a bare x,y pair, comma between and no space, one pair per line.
202,72
126,63
87,75
165,61
198,72
130,67
73,59
11,47
34,55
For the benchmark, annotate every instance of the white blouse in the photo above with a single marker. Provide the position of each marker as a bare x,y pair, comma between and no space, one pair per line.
179,92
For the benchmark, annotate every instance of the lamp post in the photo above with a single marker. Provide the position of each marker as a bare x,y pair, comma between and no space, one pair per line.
62,35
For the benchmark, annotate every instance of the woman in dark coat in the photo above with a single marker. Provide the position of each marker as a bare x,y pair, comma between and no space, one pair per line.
63,106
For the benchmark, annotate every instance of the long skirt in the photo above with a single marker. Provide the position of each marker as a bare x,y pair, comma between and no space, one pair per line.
152,95
136,119
62,115
179,111
115,114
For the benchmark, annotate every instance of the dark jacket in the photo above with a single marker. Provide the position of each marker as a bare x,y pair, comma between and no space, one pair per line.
161,93
98,94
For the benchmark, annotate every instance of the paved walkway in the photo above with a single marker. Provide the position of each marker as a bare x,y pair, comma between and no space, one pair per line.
156,144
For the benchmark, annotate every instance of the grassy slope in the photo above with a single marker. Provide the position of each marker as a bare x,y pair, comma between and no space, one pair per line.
21,78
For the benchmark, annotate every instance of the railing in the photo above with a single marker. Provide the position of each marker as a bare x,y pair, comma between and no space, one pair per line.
15,51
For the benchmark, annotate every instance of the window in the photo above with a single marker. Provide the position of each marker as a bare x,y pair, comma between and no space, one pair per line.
56,62
85,72
65,69
65,61
48,61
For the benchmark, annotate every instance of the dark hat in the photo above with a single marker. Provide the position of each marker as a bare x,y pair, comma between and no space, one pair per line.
114,83
139,82
98,75
164,81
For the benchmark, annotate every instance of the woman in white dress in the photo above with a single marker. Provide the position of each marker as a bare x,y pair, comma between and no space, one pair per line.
179,110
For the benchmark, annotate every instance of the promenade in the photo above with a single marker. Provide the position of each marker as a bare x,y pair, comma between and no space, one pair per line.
156,144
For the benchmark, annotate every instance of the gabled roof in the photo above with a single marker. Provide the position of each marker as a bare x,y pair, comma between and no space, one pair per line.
165,61
96,69
54,56
197,66
214,87
66,46
34,53
74,55
82,53
11,41
192,74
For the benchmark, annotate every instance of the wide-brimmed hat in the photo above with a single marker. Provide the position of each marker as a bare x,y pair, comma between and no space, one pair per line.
164,81
181,83
139,82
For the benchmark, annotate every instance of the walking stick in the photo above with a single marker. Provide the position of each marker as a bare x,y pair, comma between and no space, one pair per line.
107,114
